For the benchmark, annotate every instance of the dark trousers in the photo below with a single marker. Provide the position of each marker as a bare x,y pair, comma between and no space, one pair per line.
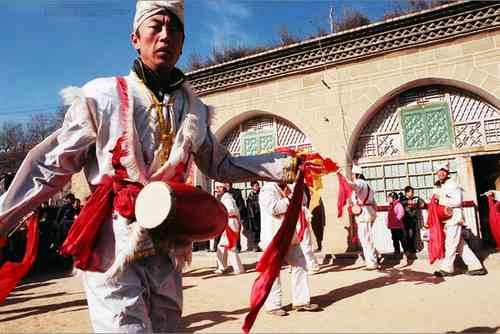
411,238
398,236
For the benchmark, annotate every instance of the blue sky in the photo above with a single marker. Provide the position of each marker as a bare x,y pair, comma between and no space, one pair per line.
50,44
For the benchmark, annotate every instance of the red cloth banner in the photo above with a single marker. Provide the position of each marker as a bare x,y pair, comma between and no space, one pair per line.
494,218
270,263
12,272
436,231
345,192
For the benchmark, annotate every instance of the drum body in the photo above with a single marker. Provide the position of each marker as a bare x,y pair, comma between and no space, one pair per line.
179,211
444,212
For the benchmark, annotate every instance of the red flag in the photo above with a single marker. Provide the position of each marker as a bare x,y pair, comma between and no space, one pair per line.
345,192
436,232
494,218
270,263
12,272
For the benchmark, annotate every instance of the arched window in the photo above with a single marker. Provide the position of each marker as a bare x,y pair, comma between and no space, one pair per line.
418,121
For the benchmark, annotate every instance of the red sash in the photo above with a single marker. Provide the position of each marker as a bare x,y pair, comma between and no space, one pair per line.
232,236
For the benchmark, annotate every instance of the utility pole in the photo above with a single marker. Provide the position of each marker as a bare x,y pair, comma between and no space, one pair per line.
332,14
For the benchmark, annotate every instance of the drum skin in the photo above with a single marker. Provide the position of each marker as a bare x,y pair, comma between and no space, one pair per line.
195,215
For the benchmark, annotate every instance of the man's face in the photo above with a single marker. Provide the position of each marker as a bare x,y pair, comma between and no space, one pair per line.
442,175
255,187
160,40
219,190
409,194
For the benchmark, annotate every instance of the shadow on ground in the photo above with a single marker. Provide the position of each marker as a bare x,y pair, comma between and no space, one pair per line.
209,319
478,329
392,277
27,312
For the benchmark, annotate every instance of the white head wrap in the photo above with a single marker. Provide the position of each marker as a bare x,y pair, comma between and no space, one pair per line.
356,169
144,9
444,166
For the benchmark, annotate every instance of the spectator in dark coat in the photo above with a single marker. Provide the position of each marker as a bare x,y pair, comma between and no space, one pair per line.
253,210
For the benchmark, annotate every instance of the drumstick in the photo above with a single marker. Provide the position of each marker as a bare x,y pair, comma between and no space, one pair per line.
18,226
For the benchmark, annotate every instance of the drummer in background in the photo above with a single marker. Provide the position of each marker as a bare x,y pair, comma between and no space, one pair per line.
146,126
226,250
449,194
274,201
364,212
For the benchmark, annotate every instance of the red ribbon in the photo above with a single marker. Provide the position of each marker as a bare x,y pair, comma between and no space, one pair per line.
12,272
303,225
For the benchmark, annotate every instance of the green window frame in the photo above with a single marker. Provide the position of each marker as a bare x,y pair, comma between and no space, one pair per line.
426,126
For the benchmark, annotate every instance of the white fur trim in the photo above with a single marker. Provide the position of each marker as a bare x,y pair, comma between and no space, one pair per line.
126,255
71,94
134,160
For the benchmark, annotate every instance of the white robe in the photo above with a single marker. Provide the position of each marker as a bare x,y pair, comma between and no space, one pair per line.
364,196
225,255
450,195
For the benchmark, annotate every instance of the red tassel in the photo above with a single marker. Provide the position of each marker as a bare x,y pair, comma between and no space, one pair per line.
12,272
344,194
436,232
494,219
270,263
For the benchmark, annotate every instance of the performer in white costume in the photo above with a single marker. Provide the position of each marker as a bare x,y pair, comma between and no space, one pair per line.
146,126
226,250
274,202
364,197
450,195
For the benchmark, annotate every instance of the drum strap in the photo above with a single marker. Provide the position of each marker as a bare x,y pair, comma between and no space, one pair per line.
366,198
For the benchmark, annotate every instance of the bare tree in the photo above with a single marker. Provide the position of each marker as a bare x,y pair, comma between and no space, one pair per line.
351,19
285,38
195,62
40,127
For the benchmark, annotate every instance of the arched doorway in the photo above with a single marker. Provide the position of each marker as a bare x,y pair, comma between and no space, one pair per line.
421,127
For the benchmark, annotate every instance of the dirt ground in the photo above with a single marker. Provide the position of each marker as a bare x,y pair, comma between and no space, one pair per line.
395,300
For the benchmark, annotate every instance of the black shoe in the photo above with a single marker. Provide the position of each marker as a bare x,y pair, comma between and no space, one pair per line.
477,272
442,273
307,308
278,312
